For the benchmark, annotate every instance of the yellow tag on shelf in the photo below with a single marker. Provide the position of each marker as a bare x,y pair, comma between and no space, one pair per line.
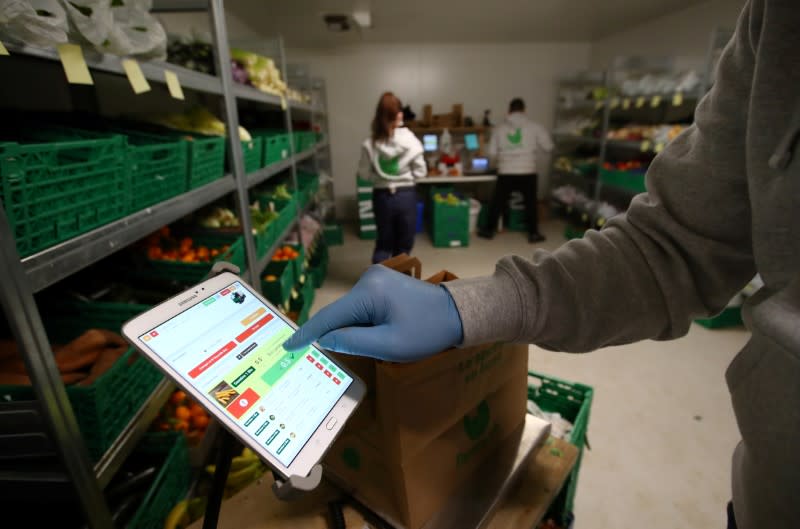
658,147
640,101
626,104
283,102
655,101
645,146
135,76
614,102
677,99
74,64
3,50
173,84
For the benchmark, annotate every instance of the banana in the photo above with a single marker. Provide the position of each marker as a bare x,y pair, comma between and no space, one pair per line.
178,517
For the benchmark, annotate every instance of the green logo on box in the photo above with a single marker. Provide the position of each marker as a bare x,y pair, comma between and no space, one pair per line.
476,423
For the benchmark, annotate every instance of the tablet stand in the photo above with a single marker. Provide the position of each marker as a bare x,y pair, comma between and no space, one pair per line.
284,489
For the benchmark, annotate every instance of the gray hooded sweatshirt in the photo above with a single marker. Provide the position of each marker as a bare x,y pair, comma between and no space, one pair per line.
393,163
723,203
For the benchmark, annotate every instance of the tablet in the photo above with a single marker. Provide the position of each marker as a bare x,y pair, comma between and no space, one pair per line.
222,343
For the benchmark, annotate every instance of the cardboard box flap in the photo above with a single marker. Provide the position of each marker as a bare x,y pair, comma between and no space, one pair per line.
405,264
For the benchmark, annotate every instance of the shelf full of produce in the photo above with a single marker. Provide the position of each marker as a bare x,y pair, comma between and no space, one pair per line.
265,260
55,263
152,70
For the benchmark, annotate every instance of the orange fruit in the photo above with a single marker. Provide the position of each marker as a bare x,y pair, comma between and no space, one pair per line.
178,398
182,413
199,421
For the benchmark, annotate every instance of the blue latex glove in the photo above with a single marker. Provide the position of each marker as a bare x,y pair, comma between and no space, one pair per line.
387,315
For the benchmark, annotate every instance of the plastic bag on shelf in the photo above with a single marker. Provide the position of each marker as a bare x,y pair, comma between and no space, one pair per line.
119,27
40,23
90,19
136,31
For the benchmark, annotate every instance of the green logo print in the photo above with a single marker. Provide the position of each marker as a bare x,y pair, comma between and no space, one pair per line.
476,423
351,458
516,138
390,166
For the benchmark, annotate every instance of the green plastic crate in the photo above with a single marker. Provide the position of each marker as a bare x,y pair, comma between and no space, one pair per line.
631,180
253,151
55,190
206,160
276,147
157,170
191,273
572,232
266,238
318,266
333,234
574,402
171,483
450,226
730,317
302,302
279,291
103,409
307,187
516,220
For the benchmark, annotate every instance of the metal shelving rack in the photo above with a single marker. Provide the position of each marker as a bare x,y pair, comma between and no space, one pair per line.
52,410
609,112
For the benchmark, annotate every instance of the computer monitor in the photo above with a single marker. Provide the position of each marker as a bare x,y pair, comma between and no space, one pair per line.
471,141
480,164
430,142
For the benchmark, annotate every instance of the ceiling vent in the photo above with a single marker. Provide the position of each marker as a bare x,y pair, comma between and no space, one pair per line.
337,23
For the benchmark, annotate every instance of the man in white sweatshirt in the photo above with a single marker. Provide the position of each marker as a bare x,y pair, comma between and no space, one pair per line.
513,147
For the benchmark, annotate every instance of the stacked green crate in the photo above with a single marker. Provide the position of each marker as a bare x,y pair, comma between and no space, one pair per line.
573,402
276,146
54,188
450,216
307,187
366,216
158,166
253,154
515,217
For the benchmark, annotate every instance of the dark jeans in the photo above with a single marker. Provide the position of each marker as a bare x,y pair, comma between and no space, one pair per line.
506,183
396,220
731,517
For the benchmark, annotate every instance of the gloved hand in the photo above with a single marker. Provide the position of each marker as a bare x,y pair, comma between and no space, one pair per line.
387,315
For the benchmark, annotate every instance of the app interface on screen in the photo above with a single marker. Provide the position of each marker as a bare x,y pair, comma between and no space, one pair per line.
230,348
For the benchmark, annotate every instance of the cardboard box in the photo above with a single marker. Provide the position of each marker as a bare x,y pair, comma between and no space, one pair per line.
425,426
412,491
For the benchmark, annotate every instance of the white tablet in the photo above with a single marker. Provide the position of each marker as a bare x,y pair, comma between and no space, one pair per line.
222,343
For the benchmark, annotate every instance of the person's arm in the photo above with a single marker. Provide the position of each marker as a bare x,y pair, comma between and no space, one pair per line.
543,140
419,169
682,250
365,165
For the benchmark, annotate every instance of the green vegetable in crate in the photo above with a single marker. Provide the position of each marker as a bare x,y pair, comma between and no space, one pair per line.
450,199
220,218
281,192
261,219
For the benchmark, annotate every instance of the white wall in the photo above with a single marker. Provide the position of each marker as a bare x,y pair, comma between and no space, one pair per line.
479,76
684,35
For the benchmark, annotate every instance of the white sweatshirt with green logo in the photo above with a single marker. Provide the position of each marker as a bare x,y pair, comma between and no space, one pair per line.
515,142
393,163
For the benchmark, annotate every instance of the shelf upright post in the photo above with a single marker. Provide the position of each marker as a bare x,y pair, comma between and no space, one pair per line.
287,115
601,157
223,60
25,322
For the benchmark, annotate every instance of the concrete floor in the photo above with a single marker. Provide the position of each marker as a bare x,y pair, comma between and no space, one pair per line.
661,431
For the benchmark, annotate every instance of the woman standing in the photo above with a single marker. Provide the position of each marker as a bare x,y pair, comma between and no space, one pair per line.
392,158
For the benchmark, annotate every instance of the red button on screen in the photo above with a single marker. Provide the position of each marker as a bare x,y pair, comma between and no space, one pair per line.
243,403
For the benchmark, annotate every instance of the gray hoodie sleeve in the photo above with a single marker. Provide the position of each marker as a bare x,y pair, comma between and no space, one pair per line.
682,250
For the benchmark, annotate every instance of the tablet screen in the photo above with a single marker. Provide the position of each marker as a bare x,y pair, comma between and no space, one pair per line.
229,347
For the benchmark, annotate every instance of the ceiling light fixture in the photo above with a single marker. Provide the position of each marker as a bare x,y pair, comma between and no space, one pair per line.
363,18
